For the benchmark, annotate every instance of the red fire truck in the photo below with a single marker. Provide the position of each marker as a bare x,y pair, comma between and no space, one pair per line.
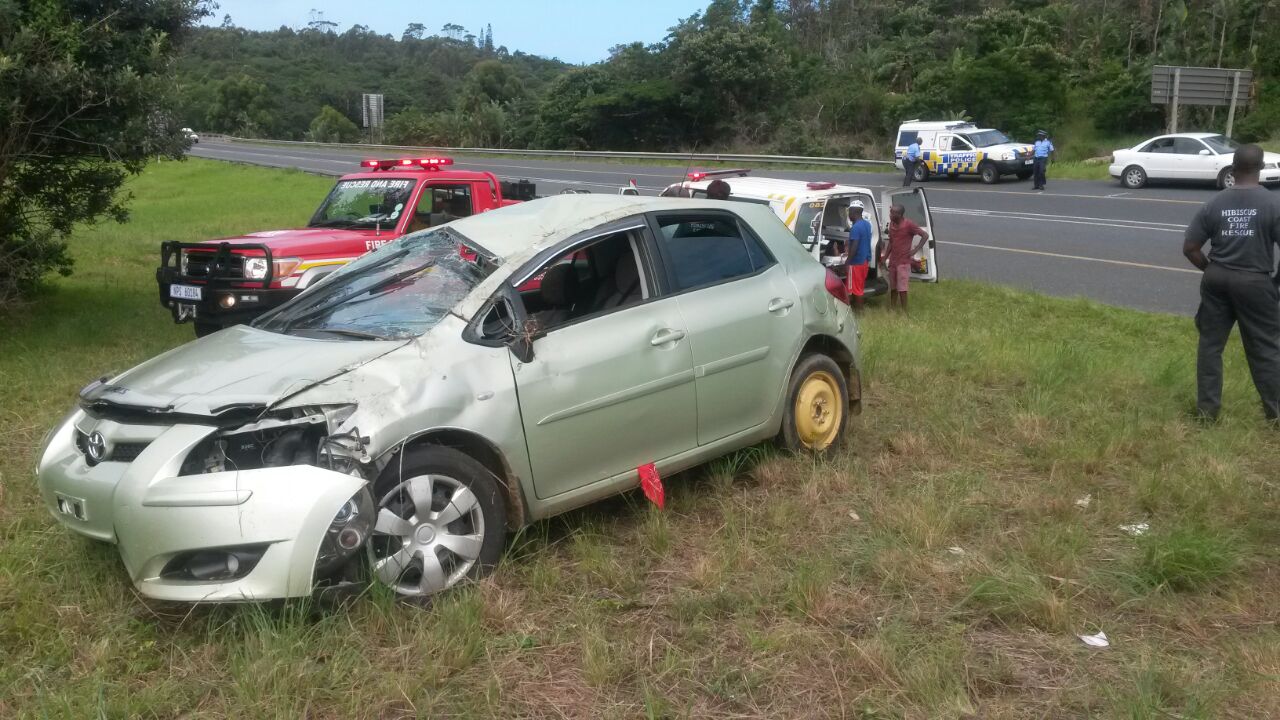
218,283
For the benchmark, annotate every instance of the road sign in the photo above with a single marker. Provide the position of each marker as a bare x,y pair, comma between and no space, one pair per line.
371,110
1175,86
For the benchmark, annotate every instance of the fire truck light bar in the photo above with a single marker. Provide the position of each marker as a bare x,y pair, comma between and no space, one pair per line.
428,163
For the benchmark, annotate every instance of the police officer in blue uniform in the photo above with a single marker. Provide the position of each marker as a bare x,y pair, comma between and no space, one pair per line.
909,160
1043,148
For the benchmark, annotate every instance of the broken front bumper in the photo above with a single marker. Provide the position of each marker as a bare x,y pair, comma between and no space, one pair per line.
272,520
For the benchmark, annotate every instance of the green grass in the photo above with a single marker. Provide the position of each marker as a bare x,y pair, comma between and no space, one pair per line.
939,567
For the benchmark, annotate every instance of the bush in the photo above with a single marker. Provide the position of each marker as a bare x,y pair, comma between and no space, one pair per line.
331,126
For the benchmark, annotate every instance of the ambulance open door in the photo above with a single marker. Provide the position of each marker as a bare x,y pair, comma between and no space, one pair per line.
924,266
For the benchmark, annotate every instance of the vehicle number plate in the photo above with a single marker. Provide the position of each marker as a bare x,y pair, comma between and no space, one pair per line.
1024,162
184,292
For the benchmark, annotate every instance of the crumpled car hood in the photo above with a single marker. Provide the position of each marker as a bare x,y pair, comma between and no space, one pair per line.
240,366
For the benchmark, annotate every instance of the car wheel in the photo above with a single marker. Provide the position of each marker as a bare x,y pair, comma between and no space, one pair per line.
1226,178
817,406
207,328
990,174
441,518
920,173
1133,177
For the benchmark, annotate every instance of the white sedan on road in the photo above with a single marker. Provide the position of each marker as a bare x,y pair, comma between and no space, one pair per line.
1184,156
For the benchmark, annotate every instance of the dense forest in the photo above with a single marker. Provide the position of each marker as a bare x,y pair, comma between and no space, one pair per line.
826,77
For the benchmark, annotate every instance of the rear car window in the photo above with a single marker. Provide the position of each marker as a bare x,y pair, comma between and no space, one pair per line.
906,137
704,250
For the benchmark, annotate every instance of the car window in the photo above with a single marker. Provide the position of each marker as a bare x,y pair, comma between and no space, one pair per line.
958,143
906,137
599,277
707,249
1161,145
1222,144
1187,146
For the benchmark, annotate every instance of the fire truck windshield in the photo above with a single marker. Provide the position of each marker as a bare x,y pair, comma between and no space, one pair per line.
364,204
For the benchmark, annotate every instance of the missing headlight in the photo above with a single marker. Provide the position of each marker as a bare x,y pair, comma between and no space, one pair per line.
300,437
276,447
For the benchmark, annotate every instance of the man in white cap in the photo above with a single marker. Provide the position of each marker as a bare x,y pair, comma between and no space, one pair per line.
859,253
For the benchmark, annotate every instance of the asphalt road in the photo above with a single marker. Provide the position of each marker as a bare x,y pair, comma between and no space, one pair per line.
1078,238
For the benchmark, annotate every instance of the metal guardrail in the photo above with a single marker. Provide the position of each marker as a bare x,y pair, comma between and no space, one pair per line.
602,154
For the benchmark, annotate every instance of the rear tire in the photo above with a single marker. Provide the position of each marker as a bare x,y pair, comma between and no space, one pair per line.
1133,177
1226,178
920,173
817,406
989,172
206,328
441,519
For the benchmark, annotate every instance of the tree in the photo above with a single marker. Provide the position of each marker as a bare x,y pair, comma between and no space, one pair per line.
414,31
85,101
332,126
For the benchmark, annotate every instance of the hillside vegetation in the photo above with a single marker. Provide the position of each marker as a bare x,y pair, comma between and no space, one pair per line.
797,76
941,566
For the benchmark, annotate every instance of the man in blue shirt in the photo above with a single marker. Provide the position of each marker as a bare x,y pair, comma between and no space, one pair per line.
909,160
1043,148
859,253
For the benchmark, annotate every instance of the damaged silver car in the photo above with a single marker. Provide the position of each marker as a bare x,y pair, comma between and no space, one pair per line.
398,420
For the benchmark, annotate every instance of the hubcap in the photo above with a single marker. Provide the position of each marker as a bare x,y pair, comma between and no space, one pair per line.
1135,177
818,411
427,535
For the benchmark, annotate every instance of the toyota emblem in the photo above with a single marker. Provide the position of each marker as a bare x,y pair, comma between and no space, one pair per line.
96,447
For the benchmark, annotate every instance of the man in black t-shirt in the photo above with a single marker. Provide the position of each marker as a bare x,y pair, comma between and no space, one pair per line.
1242,227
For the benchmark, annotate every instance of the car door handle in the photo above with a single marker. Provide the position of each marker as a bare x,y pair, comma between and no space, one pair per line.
666,336
780,304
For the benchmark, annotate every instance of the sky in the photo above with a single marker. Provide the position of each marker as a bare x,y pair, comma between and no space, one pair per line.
576,31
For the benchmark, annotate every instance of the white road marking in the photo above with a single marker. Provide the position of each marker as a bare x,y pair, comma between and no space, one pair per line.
1068,219
1125,263
1024,193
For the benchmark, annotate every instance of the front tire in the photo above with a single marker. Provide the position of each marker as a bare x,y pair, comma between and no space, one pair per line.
817,410
1226,178
989,172
441,519
1133,177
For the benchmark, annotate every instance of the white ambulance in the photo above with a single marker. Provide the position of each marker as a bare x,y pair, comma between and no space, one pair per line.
817,213
953,148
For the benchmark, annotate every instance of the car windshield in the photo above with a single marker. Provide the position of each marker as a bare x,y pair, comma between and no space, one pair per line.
398,291
1221,144
367,203
987,138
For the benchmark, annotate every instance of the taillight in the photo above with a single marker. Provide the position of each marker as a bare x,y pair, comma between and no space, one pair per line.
837,288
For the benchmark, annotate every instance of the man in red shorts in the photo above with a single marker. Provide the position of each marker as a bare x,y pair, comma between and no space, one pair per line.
858,256
899,251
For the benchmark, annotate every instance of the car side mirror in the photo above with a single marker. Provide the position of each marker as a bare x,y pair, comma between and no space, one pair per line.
1205,152
521,345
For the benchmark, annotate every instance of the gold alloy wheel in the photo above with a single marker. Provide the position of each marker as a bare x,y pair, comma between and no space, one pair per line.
818,411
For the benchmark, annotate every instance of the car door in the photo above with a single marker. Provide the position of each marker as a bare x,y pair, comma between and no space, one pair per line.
924,266
1158,159
742,312
609,391
1192,165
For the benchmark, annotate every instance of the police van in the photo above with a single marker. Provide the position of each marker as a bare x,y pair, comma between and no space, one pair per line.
817,214
953,148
